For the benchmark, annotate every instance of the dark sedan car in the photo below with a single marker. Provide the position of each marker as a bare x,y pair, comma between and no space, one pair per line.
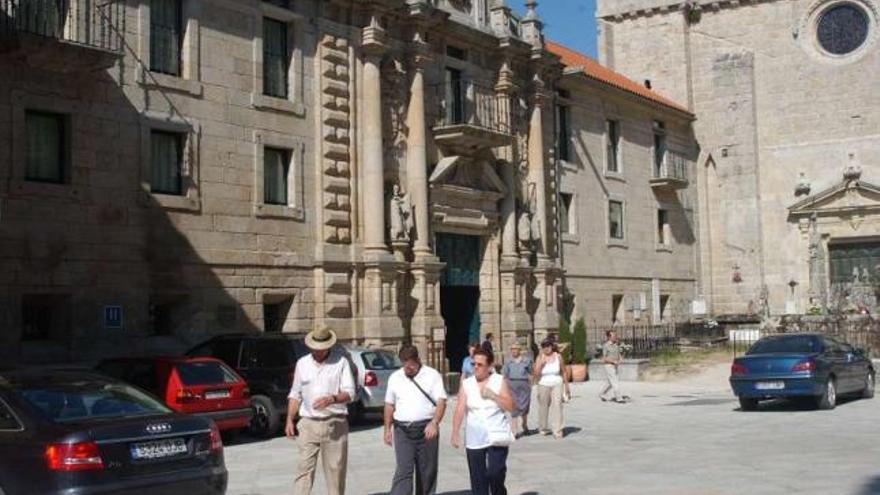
77,433
801,366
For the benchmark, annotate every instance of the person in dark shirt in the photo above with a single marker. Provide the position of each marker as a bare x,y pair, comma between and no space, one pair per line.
487,344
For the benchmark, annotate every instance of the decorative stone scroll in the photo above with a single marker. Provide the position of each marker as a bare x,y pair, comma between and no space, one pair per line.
336,130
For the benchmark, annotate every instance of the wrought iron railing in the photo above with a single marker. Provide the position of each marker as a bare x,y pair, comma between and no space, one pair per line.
673,166
639,341
92,23
466,102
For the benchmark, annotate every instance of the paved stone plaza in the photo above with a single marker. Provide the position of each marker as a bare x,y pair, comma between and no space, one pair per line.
681,437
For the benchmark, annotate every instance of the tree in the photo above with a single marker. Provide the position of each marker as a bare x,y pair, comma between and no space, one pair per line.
579,342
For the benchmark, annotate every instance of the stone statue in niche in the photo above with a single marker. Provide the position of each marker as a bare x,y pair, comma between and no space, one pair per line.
524,230
400,213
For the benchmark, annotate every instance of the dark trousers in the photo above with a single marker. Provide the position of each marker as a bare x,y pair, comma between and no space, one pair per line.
488,469
416,455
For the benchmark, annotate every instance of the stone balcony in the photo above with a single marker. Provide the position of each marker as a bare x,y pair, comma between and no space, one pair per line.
671,174
471,117
62,35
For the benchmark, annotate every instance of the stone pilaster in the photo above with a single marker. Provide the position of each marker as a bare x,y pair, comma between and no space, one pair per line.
537,176
416,143
372,163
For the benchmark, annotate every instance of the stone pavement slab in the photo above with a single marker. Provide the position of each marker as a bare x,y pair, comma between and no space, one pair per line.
684,437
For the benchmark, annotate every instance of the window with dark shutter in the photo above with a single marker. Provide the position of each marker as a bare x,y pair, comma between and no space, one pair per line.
166,159
613,144
46,147
276,170
276,58
166,36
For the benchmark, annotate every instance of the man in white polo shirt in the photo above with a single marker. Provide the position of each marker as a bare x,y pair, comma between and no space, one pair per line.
415,401
323,385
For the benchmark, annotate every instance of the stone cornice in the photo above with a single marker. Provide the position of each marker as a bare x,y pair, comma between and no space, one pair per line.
662,7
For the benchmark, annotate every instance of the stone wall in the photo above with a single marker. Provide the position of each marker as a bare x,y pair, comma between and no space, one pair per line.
770,106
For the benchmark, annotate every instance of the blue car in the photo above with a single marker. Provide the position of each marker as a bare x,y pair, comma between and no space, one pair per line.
813,366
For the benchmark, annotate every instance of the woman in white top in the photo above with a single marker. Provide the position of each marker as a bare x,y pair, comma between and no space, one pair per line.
485,400
552,380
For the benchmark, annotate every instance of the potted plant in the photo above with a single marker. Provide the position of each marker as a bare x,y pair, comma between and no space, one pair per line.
579,359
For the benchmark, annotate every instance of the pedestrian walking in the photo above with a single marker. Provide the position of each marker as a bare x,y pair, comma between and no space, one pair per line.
518,372
415,401
487,344
467,365
611,358
485,401
323,385
552,385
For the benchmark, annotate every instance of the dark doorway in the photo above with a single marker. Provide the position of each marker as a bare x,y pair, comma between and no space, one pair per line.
460,293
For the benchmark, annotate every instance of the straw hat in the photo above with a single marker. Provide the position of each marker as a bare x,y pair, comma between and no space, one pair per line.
321,339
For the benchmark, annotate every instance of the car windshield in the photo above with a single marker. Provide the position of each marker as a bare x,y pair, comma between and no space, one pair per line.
792,343
205,373
85,400
380,360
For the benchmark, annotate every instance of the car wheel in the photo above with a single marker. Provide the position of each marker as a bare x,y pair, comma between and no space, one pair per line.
828,399
747,404
868,391
265,421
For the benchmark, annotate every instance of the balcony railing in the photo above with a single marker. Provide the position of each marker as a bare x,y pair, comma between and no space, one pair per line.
94,24
469,103
672,171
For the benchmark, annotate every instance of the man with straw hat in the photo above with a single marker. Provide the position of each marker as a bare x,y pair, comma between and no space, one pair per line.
323,385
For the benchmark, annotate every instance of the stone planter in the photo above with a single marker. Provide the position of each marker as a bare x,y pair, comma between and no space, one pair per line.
578,372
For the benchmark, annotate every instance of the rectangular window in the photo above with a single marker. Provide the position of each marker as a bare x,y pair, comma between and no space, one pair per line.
566,216
615,219
167,313
276,169
856,263
662,227
613,146
659,148
44,317
664,307
166,160
455,94
617,308
46,147
275,314
276,58
166,36
564,137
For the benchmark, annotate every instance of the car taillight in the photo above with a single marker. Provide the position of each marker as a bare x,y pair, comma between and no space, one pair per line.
82,456
808,365
738,369
370,379
216,440
186,395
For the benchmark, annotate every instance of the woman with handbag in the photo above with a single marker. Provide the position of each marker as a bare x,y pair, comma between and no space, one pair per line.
485,400
518,371
552,386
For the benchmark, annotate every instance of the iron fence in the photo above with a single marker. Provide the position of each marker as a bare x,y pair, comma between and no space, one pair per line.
862,332
639,341
92,23
466,102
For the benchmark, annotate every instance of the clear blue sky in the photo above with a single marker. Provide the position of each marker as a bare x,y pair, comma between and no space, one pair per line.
570,22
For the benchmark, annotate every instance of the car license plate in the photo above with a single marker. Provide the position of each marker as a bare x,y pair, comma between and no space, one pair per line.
770,385
217,394
158,449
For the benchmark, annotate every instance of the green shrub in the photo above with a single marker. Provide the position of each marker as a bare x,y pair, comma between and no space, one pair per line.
579,342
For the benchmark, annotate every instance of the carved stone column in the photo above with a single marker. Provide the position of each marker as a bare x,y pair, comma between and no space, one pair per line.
417,149
537,165
373,160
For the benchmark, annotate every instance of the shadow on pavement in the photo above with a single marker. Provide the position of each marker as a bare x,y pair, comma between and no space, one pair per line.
789,405
571,430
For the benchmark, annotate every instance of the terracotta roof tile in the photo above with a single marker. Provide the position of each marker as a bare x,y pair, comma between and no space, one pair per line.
597,71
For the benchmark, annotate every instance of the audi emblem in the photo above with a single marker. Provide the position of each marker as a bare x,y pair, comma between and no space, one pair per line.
156,428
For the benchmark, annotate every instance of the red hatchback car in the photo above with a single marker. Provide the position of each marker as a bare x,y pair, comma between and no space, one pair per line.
191,385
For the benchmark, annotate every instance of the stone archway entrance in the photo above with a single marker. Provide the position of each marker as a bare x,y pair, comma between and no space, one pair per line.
459,293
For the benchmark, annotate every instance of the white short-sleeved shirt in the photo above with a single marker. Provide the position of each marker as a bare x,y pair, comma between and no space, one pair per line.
410,404
313,380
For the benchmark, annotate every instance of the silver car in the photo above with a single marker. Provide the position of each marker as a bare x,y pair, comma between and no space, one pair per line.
374,367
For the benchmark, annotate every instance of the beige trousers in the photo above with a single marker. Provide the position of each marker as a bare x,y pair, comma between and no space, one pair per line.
612,382
328,437
550,398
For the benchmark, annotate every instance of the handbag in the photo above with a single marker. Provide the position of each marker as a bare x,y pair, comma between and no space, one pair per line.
501,435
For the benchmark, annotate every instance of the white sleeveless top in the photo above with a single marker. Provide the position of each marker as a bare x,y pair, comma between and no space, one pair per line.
550,374
483,415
